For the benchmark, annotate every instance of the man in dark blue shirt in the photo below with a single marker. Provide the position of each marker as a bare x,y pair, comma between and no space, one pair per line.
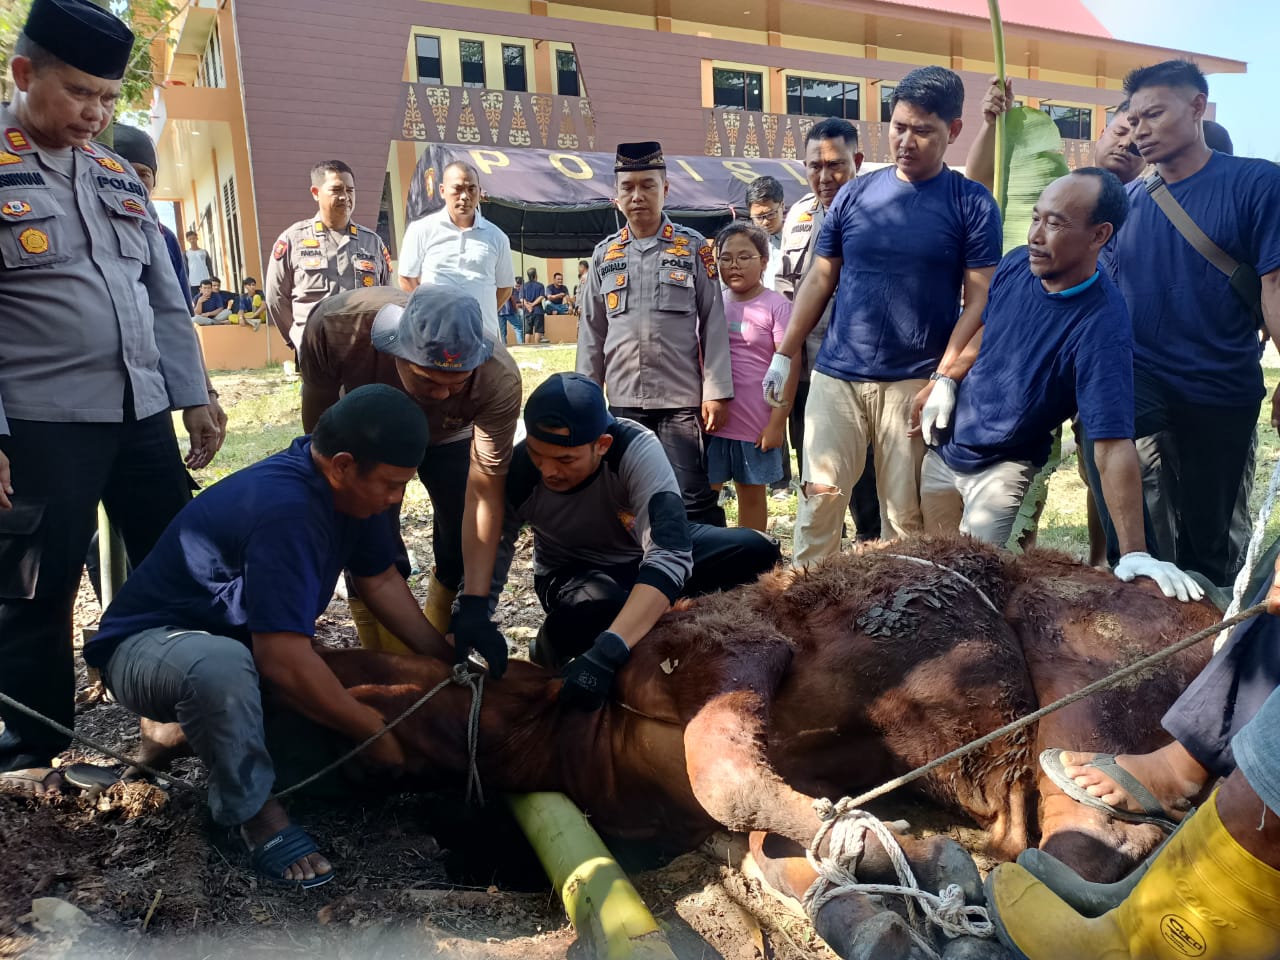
229,598
1198,383
903,242
1055,339
533,297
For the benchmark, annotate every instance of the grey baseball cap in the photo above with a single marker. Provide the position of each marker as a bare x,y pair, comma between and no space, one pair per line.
440,328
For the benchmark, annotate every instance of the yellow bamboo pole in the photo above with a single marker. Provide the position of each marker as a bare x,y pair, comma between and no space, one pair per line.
606,911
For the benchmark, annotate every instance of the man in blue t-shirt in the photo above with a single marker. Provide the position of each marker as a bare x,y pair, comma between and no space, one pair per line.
903,243
1197,378
533,297
1055,339
230,596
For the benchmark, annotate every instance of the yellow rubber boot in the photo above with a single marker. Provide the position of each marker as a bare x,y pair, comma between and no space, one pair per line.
438,607
372,634
1204,896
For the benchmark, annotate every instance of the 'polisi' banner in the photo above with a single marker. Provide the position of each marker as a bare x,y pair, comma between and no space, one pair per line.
553,203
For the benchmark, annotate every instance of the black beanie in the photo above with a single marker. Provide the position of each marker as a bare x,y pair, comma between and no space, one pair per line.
135,146
375,424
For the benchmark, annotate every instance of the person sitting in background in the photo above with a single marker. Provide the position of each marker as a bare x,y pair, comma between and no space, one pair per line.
748,448
557,295
211,304
250,305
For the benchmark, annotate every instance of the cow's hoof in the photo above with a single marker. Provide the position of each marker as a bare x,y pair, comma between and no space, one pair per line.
950,863
974,948
884,937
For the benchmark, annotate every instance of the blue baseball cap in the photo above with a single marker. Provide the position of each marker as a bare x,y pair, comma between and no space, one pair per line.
440,328
567,401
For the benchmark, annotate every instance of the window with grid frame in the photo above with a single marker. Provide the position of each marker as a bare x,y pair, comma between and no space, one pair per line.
471,54
567,82
231,220
427,53
817,97
736,89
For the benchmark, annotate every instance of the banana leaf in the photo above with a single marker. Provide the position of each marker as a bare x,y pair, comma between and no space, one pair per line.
1031,160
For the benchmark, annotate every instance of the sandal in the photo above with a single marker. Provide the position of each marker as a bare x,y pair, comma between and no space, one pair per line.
281,850
1105,763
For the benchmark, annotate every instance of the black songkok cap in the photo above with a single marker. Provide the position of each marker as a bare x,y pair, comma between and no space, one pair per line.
639,156
375,424
81,35
134,145
568,401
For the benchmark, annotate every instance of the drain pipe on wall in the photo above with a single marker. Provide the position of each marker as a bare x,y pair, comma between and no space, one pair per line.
606,911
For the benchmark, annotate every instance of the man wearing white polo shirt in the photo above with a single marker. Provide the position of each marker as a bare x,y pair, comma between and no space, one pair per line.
459,247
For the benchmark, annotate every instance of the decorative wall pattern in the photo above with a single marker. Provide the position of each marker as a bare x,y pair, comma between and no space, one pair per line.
510,119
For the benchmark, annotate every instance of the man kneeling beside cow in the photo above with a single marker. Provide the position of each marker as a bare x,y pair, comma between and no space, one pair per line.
736,711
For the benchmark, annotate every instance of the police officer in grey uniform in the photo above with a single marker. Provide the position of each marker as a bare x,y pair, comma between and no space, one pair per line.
831,159
327,254
98,349
652,329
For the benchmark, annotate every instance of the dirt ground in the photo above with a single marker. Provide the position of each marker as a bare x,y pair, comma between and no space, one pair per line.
147,874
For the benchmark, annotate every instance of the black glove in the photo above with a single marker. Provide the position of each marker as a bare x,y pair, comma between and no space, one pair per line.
588,679
473,630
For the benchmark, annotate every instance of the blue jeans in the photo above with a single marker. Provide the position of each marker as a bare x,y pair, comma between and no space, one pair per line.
516,325
1257,750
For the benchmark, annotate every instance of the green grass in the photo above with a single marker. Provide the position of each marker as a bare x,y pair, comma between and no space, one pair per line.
263,412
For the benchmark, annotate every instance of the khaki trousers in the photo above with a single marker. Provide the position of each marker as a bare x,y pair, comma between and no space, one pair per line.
984,504
841,418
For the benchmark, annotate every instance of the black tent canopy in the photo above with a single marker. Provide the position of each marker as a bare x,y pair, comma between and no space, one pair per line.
560,204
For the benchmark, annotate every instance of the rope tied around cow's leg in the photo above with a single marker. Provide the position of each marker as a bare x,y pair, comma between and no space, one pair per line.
847,828
461,675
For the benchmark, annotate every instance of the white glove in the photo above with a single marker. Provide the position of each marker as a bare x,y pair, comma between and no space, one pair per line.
774,380
937,411
1171,581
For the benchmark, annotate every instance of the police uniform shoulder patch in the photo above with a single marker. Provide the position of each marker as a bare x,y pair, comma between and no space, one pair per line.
708,259
17,140
668,232
34,241
280,249
16,209
7,158
110,163
625,235
353,229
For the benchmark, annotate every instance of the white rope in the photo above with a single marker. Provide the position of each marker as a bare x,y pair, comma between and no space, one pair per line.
847,828
955,573
1251,555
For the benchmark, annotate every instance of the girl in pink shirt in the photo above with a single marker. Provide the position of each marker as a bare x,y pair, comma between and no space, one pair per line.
748,448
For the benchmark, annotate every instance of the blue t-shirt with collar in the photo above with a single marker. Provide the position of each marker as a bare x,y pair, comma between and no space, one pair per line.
1191,332
1043,357
258,552
905,246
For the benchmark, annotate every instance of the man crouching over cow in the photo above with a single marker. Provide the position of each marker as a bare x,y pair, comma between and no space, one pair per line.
1054,339
612,546
229,598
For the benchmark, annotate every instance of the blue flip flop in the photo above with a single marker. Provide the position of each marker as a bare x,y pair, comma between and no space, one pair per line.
1105,763
270,858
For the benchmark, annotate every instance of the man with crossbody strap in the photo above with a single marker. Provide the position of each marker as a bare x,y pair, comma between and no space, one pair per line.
1197,380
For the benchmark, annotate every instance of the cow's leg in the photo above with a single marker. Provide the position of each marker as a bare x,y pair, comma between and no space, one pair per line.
733,781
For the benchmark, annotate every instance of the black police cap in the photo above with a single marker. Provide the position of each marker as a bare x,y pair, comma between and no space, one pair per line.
81,35
645,155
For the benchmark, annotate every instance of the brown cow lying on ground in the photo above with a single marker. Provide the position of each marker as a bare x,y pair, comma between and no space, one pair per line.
742,708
